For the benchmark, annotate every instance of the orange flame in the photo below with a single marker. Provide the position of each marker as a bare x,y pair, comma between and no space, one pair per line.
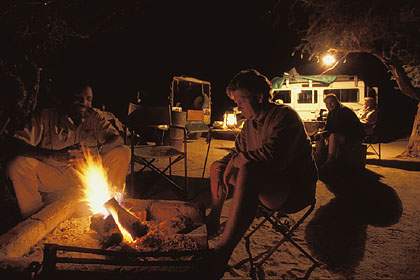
97,189
127,237
94,179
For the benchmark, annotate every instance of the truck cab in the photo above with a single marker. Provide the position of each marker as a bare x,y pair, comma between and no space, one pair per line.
192,96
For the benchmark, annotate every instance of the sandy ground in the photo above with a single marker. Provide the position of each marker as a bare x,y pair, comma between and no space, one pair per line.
365,228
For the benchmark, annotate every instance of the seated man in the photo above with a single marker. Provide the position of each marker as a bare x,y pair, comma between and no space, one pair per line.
50,143
343,130
271,164
369,115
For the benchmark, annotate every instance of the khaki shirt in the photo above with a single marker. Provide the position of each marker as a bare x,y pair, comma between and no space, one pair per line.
51,129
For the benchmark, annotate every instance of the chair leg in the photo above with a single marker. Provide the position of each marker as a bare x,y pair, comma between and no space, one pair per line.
370,145
148,164
132,162
257,261
247,247
278,225
186,169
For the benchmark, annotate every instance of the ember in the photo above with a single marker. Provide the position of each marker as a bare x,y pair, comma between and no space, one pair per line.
159,232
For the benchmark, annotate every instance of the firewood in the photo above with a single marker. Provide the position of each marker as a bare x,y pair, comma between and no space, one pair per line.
102,225
130,223
108,231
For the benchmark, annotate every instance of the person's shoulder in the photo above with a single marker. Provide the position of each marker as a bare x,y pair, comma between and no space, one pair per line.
283,110
280,107
346,110
95,113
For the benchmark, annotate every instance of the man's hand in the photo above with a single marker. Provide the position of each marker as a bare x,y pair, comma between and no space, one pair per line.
69,154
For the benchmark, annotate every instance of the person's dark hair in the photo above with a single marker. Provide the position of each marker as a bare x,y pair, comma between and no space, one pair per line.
76,87
67,88
333,96
253,81
70,87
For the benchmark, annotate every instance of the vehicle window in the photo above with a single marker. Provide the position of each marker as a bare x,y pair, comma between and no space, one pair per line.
315,96
305,96
189,95
345,95
284,95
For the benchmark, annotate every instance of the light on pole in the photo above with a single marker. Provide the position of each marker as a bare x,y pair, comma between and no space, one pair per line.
328,59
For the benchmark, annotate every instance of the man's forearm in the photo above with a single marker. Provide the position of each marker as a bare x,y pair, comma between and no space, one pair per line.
21,148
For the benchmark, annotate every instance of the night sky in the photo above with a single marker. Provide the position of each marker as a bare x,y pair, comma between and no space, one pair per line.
210,41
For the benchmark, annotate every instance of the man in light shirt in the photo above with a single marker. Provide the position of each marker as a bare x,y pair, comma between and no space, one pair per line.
51,142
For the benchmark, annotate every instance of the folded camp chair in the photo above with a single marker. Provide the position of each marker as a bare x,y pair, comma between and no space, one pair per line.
281,223
140,121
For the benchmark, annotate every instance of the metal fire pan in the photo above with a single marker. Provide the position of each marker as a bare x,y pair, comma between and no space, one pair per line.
119,258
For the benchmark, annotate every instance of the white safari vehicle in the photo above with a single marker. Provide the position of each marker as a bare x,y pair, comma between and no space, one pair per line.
306,93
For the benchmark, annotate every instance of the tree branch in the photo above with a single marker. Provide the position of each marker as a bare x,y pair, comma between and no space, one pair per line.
402,79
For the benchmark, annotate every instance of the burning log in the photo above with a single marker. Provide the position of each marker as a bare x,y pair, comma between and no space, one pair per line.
107,229
128,221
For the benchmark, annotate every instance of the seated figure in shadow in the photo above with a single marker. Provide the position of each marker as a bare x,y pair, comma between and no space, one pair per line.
341,138
369,115
271,164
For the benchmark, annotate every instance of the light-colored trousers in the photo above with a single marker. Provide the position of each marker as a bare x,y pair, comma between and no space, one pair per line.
31,176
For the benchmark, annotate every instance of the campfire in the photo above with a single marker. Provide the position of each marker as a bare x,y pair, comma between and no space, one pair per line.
152,235
106,233
155,226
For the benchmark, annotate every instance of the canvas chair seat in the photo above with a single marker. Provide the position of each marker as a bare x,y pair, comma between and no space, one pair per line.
156,151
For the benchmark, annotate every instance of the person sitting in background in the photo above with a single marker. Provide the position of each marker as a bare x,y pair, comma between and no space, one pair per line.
271,164
342,132
51,142
369,115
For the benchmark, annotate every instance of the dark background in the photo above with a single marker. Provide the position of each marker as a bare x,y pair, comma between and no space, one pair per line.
211,41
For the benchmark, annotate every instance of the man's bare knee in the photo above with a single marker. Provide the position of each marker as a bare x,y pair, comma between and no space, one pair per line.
216,167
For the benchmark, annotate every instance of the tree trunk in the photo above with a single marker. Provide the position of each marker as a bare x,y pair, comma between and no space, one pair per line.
413,147
406,88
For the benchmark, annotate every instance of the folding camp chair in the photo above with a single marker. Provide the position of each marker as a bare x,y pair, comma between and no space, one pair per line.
281,223
372,137
143,119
